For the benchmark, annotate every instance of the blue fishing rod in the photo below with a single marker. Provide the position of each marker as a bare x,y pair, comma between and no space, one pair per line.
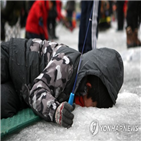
71,98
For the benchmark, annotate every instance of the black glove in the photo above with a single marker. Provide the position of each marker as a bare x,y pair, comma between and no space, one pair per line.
63,115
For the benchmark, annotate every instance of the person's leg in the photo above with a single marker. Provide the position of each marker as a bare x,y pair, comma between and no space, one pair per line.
137,23
69,17
94,24
133,12
82,27
9,100
139,12
49,27
5,76
120,15
54,28
86,7
132,24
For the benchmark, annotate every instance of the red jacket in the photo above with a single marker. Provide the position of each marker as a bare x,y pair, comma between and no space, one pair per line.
38,10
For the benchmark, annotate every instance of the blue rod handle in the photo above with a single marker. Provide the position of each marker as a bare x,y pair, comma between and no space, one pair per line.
71,99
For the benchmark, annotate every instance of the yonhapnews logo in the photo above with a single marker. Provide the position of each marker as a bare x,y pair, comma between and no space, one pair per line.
95,127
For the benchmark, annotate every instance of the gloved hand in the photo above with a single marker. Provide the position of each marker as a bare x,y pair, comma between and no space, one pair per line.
63,115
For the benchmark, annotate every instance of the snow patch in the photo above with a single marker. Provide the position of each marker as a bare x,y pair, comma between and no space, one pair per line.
126,113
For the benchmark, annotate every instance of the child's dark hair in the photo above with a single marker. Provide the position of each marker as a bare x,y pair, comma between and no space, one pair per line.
98,92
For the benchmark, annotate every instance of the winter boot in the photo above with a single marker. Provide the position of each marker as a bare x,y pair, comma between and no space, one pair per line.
130,38
137,41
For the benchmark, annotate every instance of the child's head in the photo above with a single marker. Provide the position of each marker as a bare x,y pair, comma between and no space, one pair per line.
97,91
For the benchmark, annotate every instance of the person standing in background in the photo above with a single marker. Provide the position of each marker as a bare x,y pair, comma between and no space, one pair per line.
133,21
86,7
10,14
36,24
70,8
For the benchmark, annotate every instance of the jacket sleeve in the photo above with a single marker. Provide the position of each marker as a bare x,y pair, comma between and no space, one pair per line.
48,86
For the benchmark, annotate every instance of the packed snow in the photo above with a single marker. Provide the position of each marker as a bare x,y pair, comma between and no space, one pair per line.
121,122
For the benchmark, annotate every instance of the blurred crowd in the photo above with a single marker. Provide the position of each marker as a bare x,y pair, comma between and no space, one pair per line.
40,18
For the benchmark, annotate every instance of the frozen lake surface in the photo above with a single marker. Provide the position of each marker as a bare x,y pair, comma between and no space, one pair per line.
121,122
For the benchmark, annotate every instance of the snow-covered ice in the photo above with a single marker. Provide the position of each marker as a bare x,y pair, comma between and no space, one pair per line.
121,122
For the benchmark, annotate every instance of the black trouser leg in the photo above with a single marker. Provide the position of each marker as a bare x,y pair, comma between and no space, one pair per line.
120,14
133,14
9,100
5,76
86,7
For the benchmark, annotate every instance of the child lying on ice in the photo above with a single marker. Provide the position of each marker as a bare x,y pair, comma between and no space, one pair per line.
40,74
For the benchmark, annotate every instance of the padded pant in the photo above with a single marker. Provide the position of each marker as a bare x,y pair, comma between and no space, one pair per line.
10,102
5,75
